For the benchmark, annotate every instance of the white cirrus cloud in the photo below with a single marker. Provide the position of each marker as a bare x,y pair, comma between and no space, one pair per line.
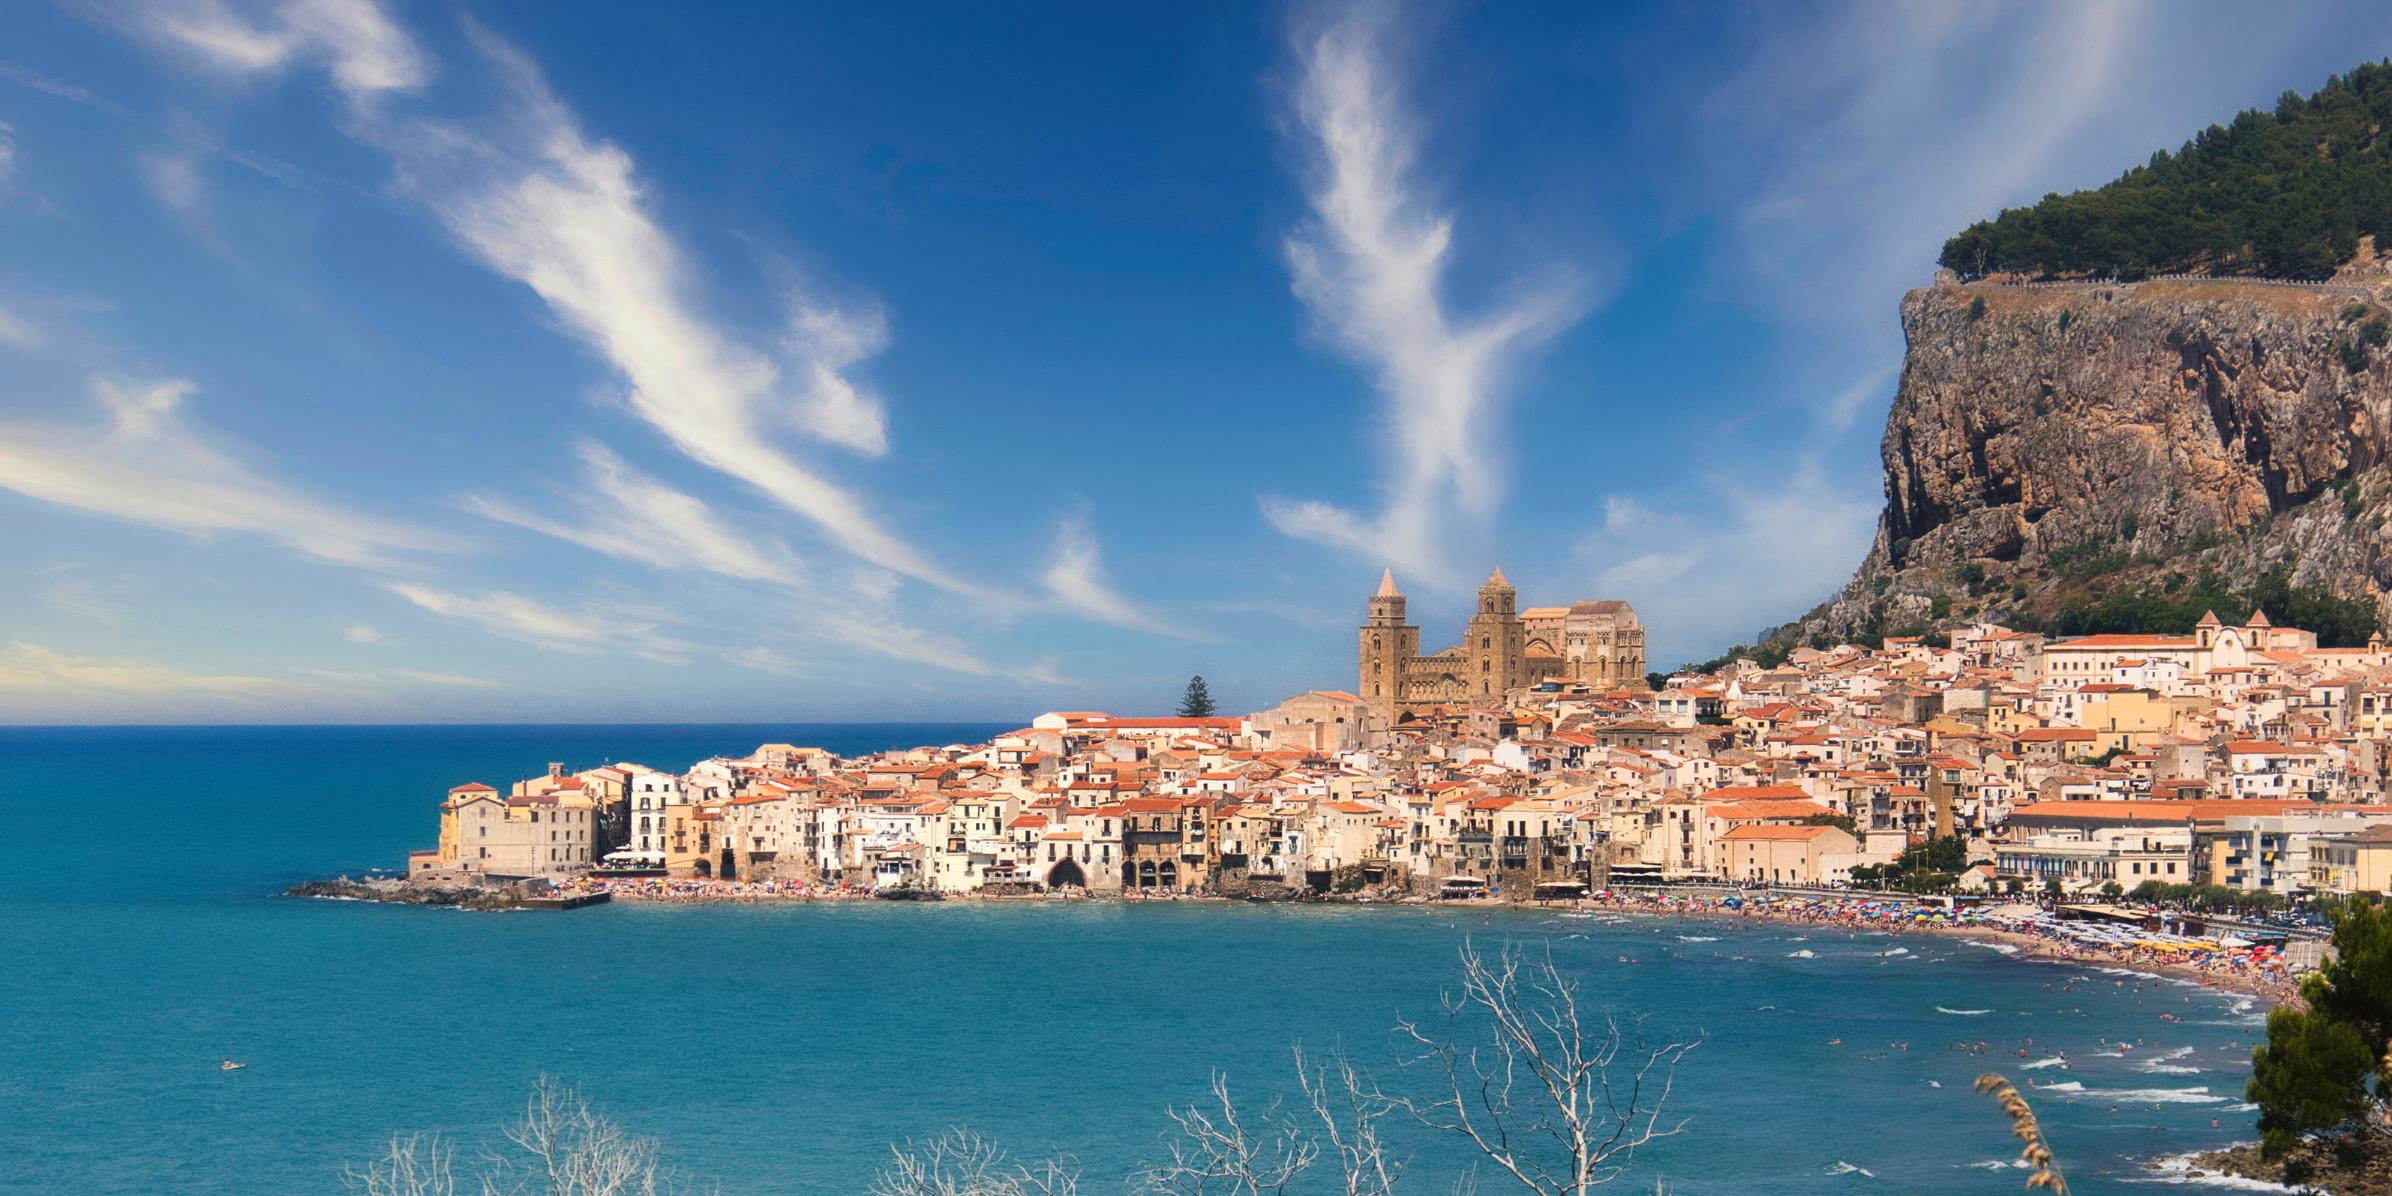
365,633
764,660
534,199
366,52
537,201
149,464
628,515
1769,552
1370,268
31,668
15,331
446,680
584,629
1077,579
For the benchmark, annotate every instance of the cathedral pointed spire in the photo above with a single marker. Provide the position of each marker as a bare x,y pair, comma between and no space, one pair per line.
1496,578
1387,585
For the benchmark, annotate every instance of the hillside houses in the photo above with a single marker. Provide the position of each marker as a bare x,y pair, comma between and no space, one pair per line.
2052,759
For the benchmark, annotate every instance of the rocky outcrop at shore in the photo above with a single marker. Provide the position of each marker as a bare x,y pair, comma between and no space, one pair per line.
2051,445
401,892
2357,1164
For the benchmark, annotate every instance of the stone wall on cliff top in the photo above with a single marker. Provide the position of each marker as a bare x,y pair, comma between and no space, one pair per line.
2175,425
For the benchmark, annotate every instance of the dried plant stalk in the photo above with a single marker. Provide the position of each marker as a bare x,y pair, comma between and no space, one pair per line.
2037,1152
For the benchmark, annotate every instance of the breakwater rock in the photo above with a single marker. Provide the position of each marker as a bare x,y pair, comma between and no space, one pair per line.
403,892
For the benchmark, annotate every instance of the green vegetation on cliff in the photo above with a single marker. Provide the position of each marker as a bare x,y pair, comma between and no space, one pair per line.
2282,194
2158,609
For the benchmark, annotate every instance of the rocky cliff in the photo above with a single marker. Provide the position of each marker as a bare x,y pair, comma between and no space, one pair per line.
2055,445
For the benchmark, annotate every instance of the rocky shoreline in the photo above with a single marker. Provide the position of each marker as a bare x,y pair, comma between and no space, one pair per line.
393,891
2354,1165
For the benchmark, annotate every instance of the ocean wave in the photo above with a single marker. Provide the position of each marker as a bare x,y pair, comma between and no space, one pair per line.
1963,1012
1896,951
1805,953
2136,1096
2004,948
1844,1168
1698,938
1995,1165
2165,1063
2040,1064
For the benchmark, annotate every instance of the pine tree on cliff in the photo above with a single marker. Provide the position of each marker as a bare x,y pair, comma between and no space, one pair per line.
1197,702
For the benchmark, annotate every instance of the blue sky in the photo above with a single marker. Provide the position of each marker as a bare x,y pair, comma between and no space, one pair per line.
547,361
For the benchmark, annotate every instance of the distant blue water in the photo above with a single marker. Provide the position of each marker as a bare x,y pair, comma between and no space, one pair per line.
778,1050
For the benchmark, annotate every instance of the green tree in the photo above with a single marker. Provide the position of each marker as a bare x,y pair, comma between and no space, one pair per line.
2310,1076
2355,987
1197,702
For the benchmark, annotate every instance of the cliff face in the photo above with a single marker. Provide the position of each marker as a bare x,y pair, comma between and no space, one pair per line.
2052,444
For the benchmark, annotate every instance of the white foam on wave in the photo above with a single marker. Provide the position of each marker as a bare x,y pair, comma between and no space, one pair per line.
1805,953
2136,1096
2165,1063
1995,1165
2040,1064
1844,1168
1698,938
2177,1170
1963,1012
2004,948
1896,951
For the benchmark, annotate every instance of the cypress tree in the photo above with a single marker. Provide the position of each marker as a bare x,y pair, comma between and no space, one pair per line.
1197,702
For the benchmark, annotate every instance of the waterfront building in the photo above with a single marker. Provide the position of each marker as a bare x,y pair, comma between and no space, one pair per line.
547,836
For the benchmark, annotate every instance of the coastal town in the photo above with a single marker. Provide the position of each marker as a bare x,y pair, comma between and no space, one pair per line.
1534,760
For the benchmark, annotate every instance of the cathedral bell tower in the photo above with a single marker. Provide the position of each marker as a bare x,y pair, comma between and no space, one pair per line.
1387,645
1496,645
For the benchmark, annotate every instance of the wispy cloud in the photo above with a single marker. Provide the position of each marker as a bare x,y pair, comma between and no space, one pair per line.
1767,554
1371,269
31,668
1077,579
365,633
764,660
15,331
150,465
585,629
630,516
366,53
175,182
446,680
536,200
75,592
824,344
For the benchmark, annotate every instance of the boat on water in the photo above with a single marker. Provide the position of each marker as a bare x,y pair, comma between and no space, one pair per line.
229,1065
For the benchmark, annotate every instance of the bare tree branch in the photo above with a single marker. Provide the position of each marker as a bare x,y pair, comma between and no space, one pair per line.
1215,1154
412,1165
961,1162
1349,1111
1550,1100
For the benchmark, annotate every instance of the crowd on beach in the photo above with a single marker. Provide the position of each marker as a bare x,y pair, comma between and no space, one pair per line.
2026,931
2022,930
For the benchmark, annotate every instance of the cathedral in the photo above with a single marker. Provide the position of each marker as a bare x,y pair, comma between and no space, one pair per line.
1503,647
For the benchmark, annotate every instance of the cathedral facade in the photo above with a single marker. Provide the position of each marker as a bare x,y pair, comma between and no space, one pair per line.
1502,648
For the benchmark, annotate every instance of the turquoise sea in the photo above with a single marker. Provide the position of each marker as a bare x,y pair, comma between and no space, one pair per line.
780,1049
